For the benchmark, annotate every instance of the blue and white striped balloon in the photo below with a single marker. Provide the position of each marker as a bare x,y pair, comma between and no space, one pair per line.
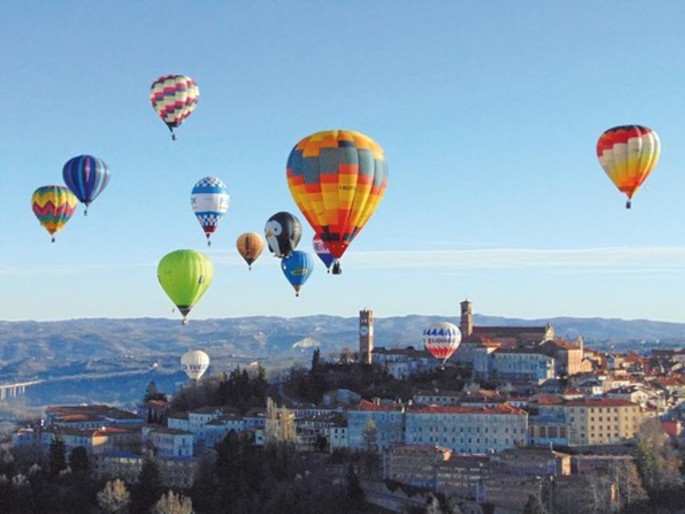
86,176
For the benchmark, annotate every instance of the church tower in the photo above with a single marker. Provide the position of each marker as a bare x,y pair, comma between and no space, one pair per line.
466,324
365,335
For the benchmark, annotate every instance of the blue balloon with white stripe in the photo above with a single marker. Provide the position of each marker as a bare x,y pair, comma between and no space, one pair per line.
210,201
86,176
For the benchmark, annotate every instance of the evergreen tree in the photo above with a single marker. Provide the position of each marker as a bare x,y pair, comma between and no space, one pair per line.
78,461
57,460
204,485
534,505
148,489
355,493
316,361
152,393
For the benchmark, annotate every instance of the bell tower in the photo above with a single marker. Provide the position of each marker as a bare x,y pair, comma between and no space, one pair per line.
365,335
466,324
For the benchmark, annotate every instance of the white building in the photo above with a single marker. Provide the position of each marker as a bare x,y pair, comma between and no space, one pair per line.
467,429
169,442
375,425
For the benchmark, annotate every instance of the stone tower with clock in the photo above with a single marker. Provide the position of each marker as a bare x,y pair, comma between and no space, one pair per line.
365,335
466,324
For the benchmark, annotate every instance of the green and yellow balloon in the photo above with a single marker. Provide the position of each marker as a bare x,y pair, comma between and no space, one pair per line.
185,275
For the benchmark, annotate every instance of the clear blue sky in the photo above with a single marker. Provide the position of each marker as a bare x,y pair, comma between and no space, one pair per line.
488,112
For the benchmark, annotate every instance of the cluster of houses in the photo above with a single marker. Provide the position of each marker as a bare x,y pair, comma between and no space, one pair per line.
496,444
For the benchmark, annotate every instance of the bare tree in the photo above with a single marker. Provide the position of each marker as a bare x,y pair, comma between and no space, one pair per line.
114,497
171,503
280,424
630,489
658,461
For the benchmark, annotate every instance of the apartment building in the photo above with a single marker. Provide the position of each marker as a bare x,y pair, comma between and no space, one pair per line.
414,464
467,429
586,421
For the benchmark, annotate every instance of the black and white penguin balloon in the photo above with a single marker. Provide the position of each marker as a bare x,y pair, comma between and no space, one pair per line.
283,232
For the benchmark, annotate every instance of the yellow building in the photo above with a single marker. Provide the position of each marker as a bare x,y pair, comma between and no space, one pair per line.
593,421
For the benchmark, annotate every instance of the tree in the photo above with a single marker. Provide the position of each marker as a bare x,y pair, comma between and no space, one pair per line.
148,489
152,393
355,493
57,460
316,361
78,461
630,489
658,461
204,484
370,434
534,505
114,497
170,503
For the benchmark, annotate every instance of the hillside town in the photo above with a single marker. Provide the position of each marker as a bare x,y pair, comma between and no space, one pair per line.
517,420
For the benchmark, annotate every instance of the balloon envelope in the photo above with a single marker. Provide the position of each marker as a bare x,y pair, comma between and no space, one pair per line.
86,176
210,201
174,98
250,246
628,155
321,250
195,363
185,275
283,232
337,179
442,339
53,206
297,268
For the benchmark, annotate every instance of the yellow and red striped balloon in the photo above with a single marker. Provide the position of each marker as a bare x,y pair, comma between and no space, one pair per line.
628,154
337,179
53,206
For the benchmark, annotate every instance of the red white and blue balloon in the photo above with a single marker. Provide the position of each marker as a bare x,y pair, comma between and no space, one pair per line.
442,339
210,201
86,176
323,252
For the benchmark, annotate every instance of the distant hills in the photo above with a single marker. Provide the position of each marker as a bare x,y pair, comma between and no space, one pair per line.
275,337
99,350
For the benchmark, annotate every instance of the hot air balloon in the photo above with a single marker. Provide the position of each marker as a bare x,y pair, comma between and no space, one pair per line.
195,363
628,155
250,246
86,176
53,206
337,179
283,232
209,200
185,275
442,340
174,97
322,251
297,267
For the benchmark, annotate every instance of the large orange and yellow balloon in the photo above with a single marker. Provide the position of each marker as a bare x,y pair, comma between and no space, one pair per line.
53,206
337,179
628,154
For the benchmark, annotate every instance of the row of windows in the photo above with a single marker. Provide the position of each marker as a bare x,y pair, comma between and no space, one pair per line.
469,440
468,430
